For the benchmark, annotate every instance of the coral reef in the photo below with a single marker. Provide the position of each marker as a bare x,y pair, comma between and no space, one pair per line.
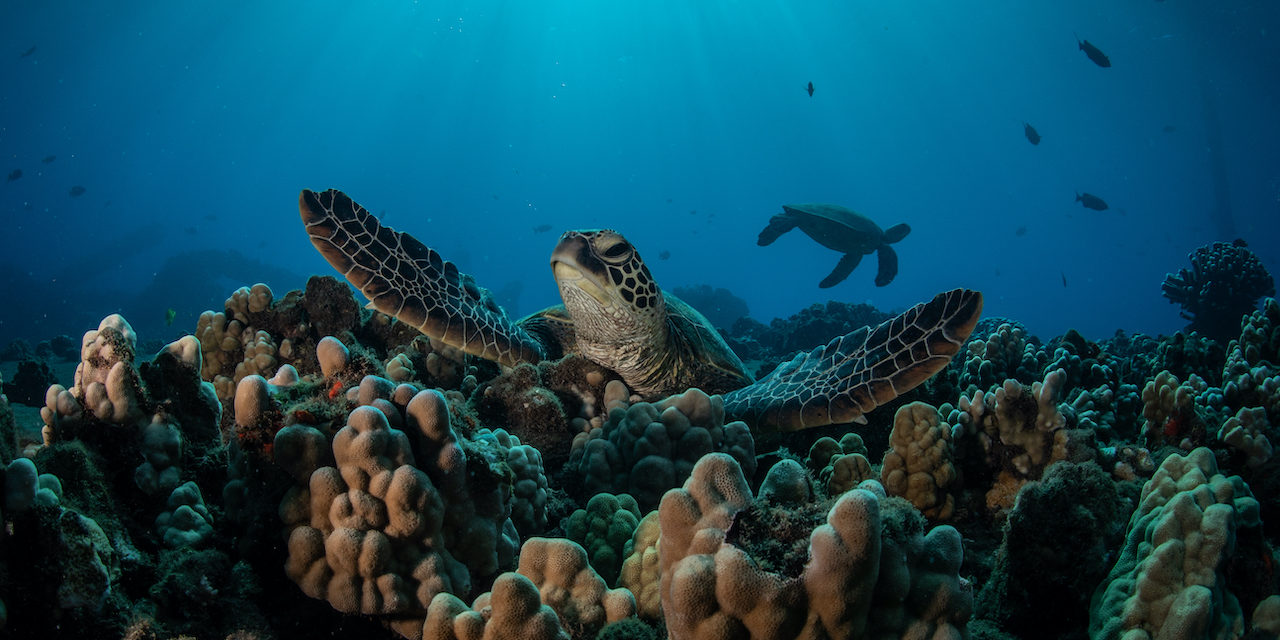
331,473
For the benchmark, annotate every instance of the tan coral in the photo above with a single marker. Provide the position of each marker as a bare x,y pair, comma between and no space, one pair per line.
839,466
641,571
1168,407
390,526
1022,431
1168,578
512,610
858,581
1246,431
554,585
918,465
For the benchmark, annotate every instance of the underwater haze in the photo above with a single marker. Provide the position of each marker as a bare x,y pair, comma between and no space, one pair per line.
155,151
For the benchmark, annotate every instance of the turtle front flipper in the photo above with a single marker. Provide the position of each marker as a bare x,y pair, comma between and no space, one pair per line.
843,268
408,280
888,269
778,225
855,373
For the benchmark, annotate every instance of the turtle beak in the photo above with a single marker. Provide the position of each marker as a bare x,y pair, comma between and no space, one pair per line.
568,271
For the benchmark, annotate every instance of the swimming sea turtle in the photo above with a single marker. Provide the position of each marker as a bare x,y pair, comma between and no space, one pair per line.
843,230
615,315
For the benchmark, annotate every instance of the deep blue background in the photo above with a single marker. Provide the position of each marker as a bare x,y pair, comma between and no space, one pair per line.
683,124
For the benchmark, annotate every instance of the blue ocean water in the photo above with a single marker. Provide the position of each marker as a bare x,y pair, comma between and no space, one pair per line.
191,127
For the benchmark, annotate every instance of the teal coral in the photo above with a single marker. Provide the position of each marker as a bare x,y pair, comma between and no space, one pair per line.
604,528
647,448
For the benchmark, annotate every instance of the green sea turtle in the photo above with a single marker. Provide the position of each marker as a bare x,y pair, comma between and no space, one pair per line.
615,315
843,230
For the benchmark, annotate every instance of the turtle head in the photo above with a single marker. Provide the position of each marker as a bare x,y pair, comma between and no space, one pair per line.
606,287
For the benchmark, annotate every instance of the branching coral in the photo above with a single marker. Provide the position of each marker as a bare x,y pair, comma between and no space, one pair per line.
1171,413
1005,353
1022,431
162,405
1223,284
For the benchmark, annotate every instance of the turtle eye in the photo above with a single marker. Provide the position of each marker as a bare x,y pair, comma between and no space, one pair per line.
616,251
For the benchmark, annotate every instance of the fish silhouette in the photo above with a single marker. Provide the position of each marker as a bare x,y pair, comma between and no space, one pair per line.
542,228
810,89
48,159
1095,54
76,191
1091,201
1033,136
28,52
14,175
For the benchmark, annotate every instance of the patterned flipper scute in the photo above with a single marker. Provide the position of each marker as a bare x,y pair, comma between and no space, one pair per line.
853,374
408,280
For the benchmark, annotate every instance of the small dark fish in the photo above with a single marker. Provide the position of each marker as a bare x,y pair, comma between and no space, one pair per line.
1091,201
1033,136
191,231
1168,128
1239,242
28,52
1022,231
211,217
48,159
14,175
542,228
668,200
76,191
1095,54
664,255
810,89
1064,280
